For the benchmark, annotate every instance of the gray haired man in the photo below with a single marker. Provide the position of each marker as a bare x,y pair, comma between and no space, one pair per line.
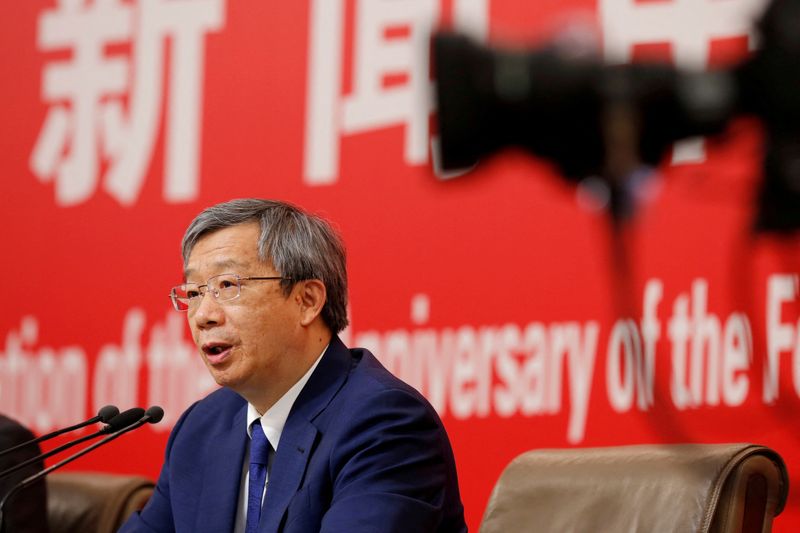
305,435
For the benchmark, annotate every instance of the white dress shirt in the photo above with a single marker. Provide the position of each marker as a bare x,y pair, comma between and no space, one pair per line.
272,422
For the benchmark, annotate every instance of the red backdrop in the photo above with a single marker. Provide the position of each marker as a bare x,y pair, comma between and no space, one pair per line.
493,293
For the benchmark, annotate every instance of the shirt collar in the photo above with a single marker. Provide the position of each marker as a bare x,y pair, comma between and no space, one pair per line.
275,418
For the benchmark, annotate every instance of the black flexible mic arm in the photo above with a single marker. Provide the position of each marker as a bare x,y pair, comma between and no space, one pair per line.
122,420
153,415
105,414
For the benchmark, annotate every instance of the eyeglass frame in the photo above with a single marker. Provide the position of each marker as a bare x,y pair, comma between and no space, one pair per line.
203,289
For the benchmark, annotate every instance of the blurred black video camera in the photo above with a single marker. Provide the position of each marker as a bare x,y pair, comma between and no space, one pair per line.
594,119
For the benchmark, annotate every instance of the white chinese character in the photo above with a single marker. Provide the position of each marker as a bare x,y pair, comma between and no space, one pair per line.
87,118
688,25
391,42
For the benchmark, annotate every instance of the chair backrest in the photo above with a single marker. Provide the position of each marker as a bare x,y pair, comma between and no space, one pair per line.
78,502
705,488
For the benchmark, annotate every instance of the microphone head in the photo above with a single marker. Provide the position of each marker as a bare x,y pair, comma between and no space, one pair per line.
124,419
155,414
107,412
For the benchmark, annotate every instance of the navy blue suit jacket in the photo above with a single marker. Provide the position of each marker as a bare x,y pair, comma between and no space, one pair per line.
361,451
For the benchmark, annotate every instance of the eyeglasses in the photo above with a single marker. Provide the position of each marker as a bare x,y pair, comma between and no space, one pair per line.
223,287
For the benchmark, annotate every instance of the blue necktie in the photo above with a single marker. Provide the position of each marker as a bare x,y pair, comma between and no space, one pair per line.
259,456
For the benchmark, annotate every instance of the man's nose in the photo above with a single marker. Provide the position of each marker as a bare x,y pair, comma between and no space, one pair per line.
209,312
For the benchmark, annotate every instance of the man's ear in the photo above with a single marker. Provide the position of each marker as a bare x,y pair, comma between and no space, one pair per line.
311,295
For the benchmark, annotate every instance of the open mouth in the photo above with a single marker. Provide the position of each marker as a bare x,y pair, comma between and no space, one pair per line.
216,352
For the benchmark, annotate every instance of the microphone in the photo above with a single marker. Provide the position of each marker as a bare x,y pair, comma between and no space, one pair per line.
153,415
105,414
122,420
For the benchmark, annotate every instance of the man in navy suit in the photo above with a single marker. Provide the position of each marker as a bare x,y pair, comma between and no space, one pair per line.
305,435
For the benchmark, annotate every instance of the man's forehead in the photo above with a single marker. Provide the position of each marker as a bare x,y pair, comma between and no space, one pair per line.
232,249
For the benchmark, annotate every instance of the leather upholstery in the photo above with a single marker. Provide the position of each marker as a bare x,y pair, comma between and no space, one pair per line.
84,501
707,488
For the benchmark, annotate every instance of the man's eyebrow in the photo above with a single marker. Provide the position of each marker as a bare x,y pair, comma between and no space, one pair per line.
227,263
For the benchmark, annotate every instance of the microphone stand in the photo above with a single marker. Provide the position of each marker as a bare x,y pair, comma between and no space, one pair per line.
153,415
121,420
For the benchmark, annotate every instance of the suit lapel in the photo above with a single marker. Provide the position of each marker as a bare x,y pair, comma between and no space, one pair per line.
299,433
216,510
287,472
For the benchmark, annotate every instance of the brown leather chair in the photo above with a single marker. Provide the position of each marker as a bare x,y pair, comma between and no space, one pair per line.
708,488
81,502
